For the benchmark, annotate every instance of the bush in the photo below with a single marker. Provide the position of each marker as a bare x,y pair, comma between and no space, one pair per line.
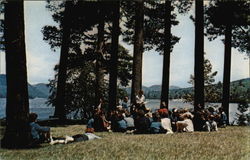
243,116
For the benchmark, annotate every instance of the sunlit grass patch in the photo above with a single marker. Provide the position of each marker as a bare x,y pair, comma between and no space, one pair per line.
228,143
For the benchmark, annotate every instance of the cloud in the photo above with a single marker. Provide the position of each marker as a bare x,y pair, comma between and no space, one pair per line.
40,58
239,65
152,68
39,68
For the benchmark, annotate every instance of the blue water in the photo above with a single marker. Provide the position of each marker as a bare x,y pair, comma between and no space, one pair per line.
39,106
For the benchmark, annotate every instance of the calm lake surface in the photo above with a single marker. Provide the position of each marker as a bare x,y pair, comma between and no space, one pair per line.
39,106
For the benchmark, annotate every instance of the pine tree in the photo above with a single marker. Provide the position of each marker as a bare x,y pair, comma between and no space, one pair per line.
235,29
17,107
199,56
138,50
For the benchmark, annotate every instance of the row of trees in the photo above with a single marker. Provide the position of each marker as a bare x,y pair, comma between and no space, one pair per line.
146,25
133,25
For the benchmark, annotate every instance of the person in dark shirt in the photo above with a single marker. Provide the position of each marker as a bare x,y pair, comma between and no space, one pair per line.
142,123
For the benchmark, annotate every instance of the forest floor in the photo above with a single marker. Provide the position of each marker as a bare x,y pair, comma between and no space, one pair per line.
230,143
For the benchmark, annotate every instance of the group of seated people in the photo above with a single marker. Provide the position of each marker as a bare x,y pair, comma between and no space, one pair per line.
139,119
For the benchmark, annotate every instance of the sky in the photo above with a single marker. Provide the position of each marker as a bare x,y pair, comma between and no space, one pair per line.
41,59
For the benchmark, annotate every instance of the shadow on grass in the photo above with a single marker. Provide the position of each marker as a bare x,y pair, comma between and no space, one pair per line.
60,123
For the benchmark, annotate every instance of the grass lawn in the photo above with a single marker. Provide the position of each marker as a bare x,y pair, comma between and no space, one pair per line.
231,143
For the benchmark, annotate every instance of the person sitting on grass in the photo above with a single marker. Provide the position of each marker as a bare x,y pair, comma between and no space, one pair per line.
125,103
174,118
142,123
90,126
186,124
39,134
222,122
155,126
166,122
211,124
140,100
118,124
130,121
100,123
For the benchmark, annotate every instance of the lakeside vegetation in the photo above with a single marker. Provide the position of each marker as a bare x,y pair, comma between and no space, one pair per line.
228,143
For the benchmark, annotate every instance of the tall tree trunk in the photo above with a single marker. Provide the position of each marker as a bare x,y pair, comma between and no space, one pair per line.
199,55
227,69
166,56
138,50
17,106
62,72
114,57
99,69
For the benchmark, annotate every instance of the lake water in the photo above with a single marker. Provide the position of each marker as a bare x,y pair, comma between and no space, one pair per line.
39,106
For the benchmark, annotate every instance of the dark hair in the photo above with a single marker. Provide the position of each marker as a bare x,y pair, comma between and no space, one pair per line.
221,109
156,117
141,92
141,113
32,117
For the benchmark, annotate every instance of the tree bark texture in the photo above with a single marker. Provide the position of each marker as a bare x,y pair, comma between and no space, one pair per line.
99,52
199,55
62,72
166,56
114,58
227,69
138,50
17,107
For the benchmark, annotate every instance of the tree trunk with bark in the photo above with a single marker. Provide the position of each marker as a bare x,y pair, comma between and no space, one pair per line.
227,70
114,57
62,72
99,52
166,56
17,107
199,56
138,50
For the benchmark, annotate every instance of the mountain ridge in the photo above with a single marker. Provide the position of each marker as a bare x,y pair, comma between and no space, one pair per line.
41,90
33,90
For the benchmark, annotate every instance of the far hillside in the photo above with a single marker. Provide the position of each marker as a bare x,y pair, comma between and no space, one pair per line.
35,91
239,91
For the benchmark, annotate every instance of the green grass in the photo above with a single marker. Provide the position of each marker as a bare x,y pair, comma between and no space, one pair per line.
228,143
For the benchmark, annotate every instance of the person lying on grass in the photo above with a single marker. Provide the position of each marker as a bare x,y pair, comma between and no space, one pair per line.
75,138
